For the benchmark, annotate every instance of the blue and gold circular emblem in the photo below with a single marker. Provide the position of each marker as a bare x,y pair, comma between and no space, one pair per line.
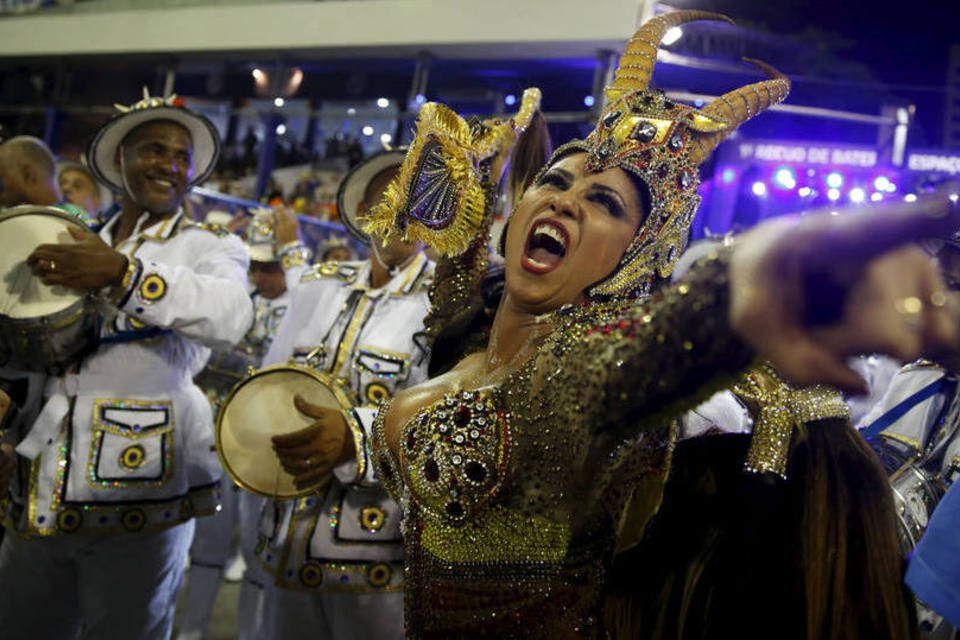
378,575
372,518
377,393
133,520
69,520
133,457
152,288
311,574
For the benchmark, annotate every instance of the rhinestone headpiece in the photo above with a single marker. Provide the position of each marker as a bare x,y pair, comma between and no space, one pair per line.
663,143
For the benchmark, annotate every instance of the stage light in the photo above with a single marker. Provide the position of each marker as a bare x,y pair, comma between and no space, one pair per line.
257,74
386,138
383,103
759,189
833,195
857,195
910,197
278,102
510,100
281,129
785,178
419,99
954,197
589,101
728,175
834,213
834,180
351,111
876,196
672,35
804,192
367,130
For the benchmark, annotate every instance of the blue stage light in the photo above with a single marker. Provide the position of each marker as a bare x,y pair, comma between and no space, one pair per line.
834,179
589,101
510,100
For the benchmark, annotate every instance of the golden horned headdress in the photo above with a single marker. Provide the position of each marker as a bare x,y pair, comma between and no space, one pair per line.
663,143
440,195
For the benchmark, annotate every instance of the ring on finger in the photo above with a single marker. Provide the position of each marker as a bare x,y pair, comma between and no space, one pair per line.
911,308
53,266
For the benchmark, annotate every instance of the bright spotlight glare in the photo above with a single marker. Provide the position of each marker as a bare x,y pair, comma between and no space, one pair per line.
833,195
367,130
759,189
510,100
351,111
257,74
910,197
857,195
728,175
383,103
386,138
785,178
589,101
281,129
834,180
803,192
672,35
278,102
876,196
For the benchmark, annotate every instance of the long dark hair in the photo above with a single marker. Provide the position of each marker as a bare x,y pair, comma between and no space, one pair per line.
740,555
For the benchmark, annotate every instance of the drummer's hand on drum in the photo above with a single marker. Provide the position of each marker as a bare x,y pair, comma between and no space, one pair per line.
88,264
8,465
808,292
311,454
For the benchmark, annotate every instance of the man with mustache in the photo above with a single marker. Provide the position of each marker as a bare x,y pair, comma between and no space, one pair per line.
121,457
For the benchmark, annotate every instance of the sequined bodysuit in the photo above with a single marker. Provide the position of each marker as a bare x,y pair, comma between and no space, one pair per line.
513,495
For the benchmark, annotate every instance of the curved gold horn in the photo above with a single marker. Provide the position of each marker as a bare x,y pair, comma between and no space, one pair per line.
738,106
640,55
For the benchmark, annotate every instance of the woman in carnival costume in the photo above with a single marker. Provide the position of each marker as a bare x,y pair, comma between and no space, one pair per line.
517,467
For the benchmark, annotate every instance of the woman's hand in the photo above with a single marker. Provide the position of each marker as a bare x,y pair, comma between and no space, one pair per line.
310,454
808,292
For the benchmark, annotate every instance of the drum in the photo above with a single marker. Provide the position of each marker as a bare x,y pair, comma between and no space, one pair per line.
41,328
916,493
260,407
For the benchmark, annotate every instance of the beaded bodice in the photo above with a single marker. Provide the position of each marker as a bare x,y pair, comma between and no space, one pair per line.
514,494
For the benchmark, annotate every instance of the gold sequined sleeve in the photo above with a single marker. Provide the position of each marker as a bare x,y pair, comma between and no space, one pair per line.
642,366
384,463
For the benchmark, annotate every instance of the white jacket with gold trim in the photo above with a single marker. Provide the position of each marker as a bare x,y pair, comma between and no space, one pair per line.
126,442
348,539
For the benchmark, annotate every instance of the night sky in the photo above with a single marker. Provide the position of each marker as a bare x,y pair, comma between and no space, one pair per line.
898,49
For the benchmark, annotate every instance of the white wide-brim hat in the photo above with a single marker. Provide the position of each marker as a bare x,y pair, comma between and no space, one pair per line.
354,186
103,148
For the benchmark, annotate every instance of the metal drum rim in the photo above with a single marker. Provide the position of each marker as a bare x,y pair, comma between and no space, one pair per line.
343,394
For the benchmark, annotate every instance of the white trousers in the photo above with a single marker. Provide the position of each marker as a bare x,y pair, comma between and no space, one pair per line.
301,615
93,587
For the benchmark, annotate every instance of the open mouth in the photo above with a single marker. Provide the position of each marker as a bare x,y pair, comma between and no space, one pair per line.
546,247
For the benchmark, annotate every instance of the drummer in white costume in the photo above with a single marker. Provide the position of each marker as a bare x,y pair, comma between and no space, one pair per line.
337,558
275,252
121,457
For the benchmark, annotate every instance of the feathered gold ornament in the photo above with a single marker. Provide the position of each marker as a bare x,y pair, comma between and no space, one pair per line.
439,196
